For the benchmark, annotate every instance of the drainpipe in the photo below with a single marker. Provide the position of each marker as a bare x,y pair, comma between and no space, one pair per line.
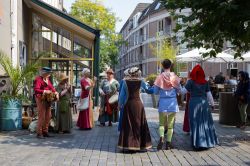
13,18
147,50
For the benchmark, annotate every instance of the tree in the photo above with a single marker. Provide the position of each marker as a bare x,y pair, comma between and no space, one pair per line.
213,22
97,16
164,49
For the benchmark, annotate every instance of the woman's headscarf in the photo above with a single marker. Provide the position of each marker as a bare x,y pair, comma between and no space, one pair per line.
134,72
198,75
85,70
126,72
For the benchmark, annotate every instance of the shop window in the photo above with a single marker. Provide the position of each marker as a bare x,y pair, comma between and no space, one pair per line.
82,48
41,46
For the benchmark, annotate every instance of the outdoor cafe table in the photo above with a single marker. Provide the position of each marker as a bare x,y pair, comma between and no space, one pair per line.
229,113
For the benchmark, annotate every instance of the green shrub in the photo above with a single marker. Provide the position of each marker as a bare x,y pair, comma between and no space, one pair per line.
151,79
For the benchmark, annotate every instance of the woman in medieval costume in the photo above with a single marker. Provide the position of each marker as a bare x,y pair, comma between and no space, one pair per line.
84,118
109,111
63,113
202,128
134,131
186,127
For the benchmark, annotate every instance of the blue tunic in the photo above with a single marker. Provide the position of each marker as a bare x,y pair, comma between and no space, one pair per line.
167,99
202,128
123,95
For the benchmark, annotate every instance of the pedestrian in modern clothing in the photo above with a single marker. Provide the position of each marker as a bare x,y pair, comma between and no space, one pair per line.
109,87
84,121
242,96
202,128
167,84
134,132
219,79
63,112
43,87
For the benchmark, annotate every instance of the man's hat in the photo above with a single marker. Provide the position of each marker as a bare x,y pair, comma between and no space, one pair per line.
62,77
46,70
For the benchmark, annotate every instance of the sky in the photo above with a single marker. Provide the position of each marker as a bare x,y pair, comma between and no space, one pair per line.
122,8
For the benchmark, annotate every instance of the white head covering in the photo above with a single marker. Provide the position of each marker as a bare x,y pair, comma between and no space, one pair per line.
126,72
85,70
103,74
135,72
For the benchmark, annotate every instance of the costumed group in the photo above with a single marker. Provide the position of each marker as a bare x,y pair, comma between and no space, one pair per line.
121,102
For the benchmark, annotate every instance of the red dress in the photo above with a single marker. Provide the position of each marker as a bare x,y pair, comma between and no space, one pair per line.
83,121
186,117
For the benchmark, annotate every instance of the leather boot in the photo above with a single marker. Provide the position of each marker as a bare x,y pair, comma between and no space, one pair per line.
160,144
169,146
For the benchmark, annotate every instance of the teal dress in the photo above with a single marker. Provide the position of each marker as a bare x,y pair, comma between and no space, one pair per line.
202,128
63,112
108,89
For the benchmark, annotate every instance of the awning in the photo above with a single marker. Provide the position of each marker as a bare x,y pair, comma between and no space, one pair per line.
63,18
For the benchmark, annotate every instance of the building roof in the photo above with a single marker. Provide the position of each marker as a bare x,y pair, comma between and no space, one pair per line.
61,16
154,7
139,8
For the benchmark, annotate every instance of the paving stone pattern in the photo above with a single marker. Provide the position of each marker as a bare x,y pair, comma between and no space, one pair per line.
99,147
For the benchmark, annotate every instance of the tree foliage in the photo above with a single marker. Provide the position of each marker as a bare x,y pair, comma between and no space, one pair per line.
164,49
97,16
212,22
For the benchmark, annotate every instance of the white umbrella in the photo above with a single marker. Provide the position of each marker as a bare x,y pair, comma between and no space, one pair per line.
221,58
194,55
246,57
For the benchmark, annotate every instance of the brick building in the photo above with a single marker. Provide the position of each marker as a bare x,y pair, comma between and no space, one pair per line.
148,24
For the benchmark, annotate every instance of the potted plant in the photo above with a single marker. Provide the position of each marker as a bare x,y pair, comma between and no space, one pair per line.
11,101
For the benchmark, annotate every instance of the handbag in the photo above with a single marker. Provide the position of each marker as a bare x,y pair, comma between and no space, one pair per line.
113,99
83,104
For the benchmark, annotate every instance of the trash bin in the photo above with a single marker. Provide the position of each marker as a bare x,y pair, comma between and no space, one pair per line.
229,113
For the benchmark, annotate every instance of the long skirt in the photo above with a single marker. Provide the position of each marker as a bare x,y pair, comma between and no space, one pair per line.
84,121
186,127
91,114
134,134
202,128
63,116
109,112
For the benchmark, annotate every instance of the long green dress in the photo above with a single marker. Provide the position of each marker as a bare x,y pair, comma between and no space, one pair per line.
63,113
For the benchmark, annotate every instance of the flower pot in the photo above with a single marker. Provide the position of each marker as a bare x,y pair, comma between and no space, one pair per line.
11,115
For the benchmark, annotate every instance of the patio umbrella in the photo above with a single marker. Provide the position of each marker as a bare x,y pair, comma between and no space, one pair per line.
246,57
194,55
221,58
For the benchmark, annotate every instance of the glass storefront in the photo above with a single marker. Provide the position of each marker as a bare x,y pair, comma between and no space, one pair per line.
61,49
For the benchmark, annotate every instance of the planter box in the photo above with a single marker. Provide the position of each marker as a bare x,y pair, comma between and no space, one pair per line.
11,115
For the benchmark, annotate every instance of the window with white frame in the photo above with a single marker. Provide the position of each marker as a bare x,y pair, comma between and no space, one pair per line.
160,26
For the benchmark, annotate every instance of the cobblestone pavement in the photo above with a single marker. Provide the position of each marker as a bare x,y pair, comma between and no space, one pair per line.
98,147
